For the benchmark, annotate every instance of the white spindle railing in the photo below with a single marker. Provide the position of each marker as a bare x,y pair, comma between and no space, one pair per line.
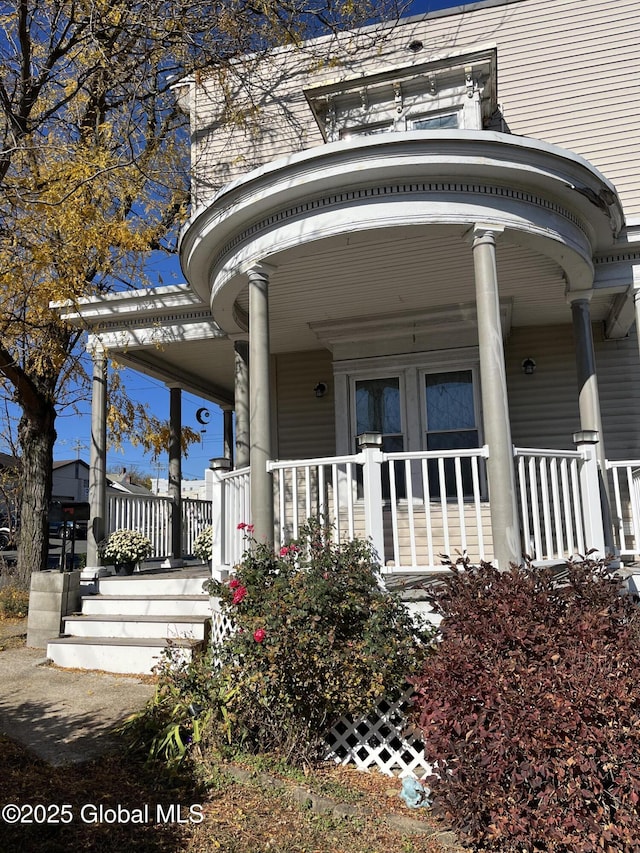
151,516
324,488
551,506
438,506
231,507
624,481
196,515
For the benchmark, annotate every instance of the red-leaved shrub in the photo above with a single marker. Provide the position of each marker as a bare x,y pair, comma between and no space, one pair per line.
530,708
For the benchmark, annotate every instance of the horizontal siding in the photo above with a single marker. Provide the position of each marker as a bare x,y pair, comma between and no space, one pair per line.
565,75
544,406
305,423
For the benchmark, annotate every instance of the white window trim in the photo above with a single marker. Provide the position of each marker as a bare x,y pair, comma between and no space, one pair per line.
411,368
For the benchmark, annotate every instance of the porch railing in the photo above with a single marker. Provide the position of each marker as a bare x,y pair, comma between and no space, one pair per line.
231,508
151,515
624,492
551,507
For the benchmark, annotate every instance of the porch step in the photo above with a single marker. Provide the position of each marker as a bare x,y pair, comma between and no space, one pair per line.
118,654
131,622
146,605
117,625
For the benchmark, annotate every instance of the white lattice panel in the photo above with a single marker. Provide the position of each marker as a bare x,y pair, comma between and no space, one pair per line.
381,740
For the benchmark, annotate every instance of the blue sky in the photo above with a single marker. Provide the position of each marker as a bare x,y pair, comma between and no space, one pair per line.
74,429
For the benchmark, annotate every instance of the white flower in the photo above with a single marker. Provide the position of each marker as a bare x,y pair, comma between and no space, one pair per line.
203,545
125,546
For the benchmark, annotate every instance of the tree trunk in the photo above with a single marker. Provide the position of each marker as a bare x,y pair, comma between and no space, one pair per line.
37,435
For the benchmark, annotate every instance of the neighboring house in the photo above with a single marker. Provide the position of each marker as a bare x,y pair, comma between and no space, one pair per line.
433,240
70,480
189,488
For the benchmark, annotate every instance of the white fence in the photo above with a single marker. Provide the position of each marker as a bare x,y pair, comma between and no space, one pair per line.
151,515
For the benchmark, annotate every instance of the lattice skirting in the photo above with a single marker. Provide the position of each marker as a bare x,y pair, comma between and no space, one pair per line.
380,740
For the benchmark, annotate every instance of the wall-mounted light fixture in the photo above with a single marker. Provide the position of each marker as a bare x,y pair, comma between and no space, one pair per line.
528,366
416,46
321,389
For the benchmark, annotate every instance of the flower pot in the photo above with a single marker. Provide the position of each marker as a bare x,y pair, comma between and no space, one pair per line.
125,568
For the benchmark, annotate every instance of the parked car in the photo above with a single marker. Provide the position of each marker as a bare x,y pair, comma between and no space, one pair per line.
6,537
57,529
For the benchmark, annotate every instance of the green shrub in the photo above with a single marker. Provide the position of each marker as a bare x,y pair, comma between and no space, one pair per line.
530,709
316,637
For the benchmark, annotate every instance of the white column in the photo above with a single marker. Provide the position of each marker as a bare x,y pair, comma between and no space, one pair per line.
242,402
175,472
260,403
227,434
497,429
97,457
589,397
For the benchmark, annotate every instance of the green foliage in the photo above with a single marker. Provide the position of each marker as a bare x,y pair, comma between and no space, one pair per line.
203,544
316,637
14,602
530,709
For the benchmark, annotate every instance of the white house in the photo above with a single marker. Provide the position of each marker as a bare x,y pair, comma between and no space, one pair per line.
431,242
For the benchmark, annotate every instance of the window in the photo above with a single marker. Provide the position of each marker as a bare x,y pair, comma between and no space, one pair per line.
451,424
445,120
457,91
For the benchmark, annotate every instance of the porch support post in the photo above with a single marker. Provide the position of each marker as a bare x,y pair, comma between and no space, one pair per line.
589,398
586,442
219,568
500,468
97,457
175,472
242,402
370,445
260,403
227,436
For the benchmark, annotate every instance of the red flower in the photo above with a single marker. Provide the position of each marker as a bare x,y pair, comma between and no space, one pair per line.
284,551
249,528
242,525
259,635
234,583
239,594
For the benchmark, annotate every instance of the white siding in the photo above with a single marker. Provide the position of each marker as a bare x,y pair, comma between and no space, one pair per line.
305,423
566,74
544,406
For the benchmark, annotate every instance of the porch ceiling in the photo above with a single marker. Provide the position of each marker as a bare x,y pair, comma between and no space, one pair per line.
406,269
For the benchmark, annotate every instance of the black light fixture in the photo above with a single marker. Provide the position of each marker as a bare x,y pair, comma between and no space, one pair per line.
320,389
528,366
416,46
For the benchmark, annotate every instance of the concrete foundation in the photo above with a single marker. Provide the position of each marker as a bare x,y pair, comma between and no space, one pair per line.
53,596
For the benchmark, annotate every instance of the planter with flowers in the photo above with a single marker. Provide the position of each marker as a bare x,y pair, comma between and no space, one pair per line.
125,549
203,544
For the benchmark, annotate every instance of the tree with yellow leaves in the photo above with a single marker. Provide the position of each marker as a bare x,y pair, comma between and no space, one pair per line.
94,172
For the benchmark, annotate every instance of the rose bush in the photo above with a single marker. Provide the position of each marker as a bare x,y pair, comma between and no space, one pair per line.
316,636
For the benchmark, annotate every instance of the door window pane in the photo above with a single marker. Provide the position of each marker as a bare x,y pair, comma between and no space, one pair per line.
450,404
378,406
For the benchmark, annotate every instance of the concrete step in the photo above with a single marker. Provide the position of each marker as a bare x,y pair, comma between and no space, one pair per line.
127,656
152,584
113,625
146,605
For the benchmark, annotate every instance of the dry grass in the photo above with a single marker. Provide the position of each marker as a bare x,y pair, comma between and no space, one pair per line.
238,817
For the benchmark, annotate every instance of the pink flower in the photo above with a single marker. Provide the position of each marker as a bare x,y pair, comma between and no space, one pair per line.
242,525
284,551
259,635
249,528
239,594
234,583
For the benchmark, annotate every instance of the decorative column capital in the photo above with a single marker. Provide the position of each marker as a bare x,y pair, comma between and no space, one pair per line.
575,297
260,271
485,232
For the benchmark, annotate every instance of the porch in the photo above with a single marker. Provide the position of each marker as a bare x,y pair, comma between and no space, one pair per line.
418,506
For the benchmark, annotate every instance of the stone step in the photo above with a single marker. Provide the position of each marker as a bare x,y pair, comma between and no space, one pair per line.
128,656
146,605
113,625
